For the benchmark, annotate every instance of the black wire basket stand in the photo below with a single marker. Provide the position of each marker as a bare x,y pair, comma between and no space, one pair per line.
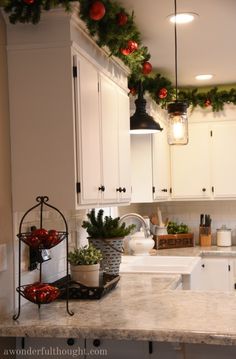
42,201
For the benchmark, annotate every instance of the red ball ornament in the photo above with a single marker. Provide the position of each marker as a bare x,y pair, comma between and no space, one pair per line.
207,102
132,45
147,68
97,10
162,93
29,2
133,91
122,18
125,51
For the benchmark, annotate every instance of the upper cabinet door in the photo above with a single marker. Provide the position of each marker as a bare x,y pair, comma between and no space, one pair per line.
223,158
190,164
109,138
124,146
161,165
88,139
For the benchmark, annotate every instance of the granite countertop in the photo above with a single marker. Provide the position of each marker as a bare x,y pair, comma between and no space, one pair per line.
142,307
199,251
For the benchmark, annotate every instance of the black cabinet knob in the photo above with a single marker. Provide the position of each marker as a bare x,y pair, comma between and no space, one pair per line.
164,190
203,265
96,343
124,189
102,188
203,189
119,189
70,341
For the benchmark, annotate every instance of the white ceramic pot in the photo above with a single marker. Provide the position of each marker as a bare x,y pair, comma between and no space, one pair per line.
87,275
141,245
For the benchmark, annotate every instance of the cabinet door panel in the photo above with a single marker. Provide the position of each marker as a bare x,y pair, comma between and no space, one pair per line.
141,168
190,165
223,157
109,138
124,146
88,143
161,165
216,274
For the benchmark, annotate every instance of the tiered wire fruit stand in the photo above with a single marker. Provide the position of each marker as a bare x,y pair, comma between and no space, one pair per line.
41,239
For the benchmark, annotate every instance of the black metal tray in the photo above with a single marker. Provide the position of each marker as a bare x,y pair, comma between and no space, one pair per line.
80,291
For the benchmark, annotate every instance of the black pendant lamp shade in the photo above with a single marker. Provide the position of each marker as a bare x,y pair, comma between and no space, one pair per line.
141,122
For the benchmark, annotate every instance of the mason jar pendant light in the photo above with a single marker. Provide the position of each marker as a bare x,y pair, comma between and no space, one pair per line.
177,111
141,122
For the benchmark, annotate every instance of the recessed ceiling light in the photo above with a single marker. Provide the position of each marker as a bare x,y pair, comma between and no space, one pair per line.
204,77
183,18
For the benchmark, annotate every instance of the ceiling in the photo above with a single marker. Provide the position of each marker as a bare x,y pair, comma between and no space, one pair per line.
207,45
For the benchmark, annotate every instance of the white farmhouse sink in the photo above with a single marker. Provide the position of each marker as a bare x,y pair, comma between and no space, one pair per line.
159,264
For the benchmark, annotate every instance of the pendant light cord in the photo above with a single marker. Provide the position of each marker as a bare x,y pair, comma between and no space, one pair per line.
176,56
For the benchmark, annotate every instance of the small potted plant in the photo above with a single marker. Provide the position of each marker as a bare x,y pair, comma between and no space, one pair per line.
85,265
107,234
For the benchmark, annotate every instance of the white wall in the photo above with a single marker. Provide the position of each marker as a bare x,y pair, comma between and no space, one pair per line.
6,277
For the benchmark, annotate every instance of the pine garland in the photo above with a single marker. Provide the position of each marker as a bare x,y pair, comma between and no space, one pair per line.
115,36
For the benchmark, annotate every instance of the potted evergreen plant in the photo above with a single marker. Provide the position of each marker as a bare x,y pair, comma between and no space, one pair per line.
107,234
85,265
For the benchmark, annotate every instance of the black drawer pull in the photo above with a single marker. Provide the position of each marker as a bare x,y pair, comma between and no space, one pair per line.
70,341
102,188
96,343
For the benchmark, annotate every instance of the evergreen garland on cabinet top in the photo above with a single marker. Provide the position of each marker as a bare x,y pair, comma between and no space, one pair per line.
112,26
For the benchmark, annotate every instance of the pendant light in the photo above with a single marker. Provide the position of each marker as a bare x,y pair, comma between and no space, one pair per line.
141,122
177,111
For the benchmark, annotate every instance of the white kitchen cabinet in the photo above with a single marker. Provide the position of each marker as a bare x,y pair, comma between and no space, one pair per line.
67,132
141,168
161,165
117,349
216,274
223,152
190,165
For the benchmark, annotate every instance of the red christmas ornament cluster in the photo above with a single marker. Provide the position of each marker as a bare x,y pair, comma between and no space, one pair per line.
122,18
207,102
147,68
96,11
131,47
162,93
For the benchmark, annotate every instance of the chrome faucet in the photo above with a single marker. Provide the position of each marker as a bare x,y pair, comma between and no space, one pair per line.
141,219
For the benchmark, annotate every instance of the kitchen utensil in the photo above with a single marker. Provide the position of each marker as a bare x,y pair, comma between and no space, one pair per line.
161,224
223,236
154,219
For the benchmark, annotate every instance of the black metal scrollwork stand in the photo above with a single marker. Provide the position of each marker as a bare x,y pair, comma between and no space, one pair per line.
42,201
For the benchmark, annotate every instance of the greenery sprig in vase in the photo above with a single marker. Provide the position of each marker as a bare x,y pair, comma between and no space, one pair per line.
107,234
105,227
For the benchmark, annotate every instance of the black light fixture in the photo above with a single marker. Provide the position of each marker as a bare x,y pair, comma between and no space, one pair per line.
141,122
177,111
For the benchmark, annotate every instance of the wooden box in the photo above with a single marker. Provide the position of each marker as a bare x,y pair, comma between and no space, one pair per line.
174,241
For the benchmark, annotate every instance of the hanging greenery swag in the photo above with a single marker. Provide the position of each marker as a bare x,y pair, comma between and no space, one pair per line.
112,26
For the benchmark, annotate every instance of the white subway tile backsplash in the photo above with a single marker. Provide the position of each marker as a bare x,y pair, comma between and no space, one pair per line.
222,212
